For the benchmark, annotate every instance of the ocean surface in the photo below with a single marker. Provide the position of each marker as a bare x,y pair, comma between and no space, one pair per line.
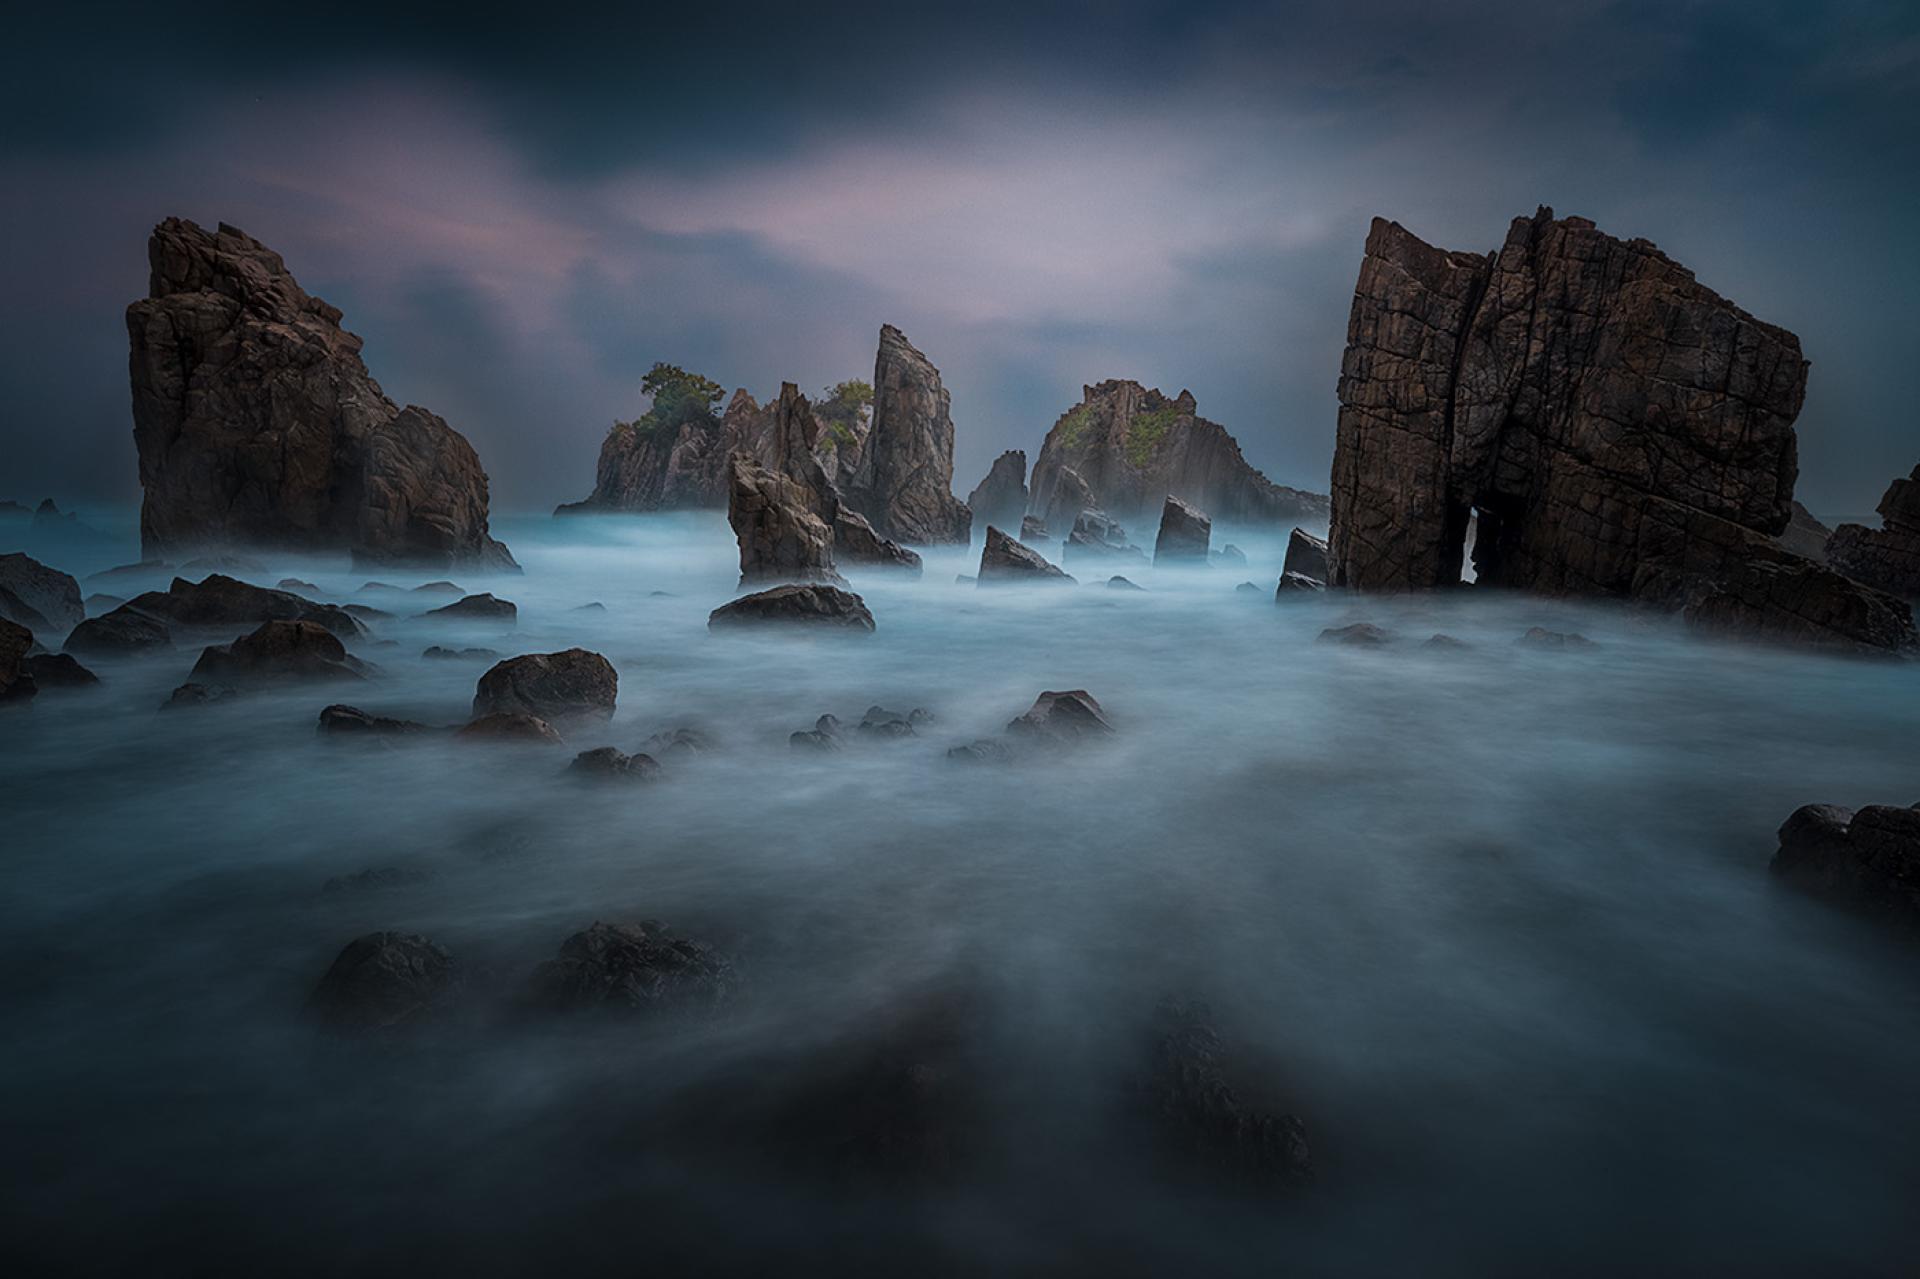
1495,923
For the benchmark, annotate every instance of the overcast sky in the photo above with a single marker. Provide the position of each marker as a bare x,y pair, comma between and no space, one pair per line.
520,219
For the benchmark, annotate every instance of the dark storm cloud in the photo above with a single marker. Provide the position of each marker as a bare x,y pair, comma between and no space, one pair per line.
522,212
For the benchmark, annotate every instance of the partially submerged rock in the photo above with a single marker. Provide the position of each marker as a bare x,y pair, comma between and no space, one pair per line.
1867,859
678,741
1202,1127
42,599
120,633
1096,537
436,653
384,981
58,670
218,602
277,651
1033,529
813,605
642,968
16,684
1541,637
1356,635
1185,532
1229,555
340,718
475,608
1071,716
1122,584
511,726
1306,555
1004,560
564,687
607,763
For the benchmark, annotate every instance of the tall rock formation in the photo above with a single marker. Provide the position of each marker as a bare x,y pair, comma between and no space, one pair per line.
904,482
1133,447
1887,557
781,539
672,470
1001,498
257,422
1617,428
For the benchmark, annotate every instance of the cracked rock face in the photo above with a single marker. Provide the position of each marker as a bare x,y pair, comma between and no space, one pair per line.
1129,447
904,482
781,539
1618,428
257,423
1887,557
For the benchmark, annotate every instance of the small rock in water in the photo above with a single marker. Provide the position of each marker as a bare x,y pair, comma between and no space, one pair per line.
607,763
37,597
340,718
815,605
595,607
383,981
1246,588
562,687
1541,637
642,968
1184,533
1231,556
1306,555
1358,635
988,750
1203,1126
679,741
1868,859
1063,717
1441,641
1004,560
278,651
125,630
511,727
439,654
198,695
475,608
1122,584
446,590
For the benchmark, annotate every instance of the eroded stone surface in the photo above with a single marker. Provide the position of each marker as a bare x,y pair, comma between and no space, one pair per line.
904,483
1887,557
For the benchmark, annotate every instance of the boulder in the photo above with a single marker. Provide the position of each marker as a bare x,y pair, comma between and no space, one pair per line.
340,718
904,482
276,651
1357,635
1612,427
563,688
1306,555
16,684
58,670
219,602
1887,557
1062,717
39,598
823,736
1001,498
1868,859
1033,529
1444,643
512,726
1004,560
987,750
606,764
642,968
198,695
445,590
383,981
257,423
123,631
1122,584
476,608
1128,447
1201,1125
1297,585
781,539
1184,534
814,605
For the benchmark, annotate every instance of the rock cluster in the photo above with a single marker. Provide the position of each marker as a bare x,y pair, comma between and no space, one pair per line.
904,483
1004,560
1887,557
257,422
1129,447
1001,498
1185,533
1617,428
277,651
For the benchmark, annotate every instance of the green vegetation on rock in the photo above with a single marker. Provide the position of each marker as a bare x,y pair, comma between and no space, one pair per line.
1145,432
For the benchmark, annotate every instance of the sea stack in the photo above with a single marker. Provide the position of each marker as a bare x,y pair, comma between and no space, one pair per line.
904,483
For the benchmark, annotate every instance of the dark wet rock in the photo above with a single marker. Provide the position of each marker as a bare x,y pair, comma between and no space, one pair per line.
1357,635
1130,447
793,450
1887,557
476,608
827,724
816,605
567,687
366,612
880,722
677,742
513,726
987,750
383,981
377,879
1033,529
435,652
124,631
295,584
219,602
1062,717
1618,429
1001,498
781,539
42,599
58,670
1004,560
1805,536
1306,555
1868,859
257,423
642,968
1298,585
1229,555
606,763
904,482
1439,641
277,651
1202,1126
188,695
1095,537
1541,637
1122,584
100,602
340,718
1184,533
1247,588
16,685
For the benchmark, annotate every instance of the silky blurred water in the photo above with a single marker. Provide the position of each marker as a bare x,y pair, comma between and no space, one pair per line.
1495,922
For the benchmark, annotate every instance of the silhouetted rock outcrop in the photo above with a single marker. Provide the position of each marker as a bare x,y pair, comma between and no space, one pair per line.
1133,446
1004,560
1203,1126
1619,429
1184,534
1095,537
256,421
120,633
904,483
58,670
810,605
1062,717
220,602
42,599
352,720
277,651
1887,557
1001,498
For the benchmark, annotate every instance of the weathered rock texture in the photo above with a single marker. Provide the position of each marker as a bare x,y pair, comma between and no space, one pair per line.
1001,498
16,682
564,687
385,980
1887,557
1619,429
793,449
904,483
781,539
1133,446
277,651
1184,534
642,968
1306,556
1004,560
37,597
256,421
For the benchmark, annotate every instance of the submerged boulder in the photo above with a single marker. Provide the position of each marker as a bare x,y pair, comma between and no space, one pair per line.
58,670
511,726
475,608
42,599
218,602
815,605
1004,560
1296,586
257,423
607,763
1184,534
564,687
642,968
276,651
1001,498
383,981
340,718
1356,635
904,483
1096,537
124,631
1201,1125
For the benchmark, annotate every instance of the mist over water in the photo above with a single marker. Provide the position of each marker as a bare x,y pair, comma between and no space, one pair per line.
1496,923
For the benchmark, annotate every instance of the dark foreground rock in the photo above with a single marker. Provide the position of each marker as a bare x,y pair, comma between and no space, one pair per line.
1612,426
351,720
642,968
257,423
1004,560
1887,557
475,608
218,602
58,670
812,606
1184,534
1202,1126
277,651
565,687
1297,586
123,632
1868,859
1541,637
608,764
44,600
1062,717
384,981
